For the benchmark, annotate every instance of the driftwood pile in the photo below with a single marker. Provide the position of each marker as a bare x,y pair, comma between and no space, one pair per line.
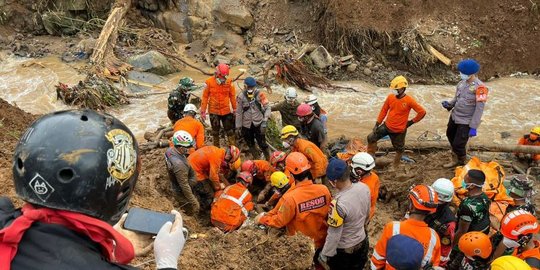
92,93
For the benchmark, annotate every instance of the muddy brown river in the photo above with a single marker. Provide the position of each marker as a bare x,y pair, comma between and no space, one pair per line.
513,105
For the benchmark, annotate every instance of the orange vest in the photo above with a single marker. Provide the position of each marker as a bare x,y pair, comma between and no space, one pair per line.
264,170
218,97
532,257
231,208
316,157
524,141
303,209
372,181
415,229
193,127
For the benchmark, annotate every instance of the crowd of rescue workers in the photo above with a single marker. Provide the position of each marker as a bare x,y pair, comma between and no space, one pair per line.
76,171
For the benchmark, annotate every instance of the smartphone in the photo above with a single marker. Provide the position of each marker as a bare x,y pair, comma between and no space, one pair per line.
146,221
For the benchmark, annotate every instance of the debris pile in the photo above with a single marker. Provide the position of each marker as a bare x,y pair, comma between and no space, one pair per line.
92,93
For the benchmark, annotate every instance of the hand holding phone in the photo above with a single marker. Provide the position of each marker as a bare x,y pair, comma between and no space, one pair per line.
169,243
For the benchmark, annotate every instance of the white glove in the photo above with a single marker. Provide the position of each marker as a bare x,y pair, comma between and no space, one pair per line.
169,243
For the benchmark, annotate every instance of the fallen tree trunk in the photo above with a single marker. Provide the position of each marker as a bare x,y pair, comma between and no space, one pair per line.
473,147
104,49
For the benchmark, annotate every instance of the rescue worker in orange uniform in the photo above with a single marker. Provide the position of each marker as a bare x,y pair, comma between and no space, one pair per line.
316,158
218,97
533,138
277,160
191,125
518,229
231,208
362,165
207,163
304,208
261,171
395,113
423,201
281,184
476,247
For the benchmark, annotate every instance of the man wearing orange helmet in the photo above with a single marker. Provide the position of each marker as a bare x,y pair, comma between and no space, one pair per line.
312,127
423,201
476,247
518,229
231,207
261,170
533,139
315,156
395,114
304,208
208,162
218,97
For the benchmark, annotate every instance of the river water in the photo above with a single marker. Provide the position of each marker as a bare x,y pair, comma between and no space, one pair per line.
513,105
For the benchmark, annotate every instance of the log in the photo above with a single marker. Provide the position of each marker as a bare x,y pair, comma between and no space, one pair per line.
473,146
104,49
439,55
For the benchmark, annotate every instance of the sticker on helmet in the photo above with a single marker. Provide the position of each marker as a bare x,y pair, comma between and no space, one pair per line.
121,159
41,187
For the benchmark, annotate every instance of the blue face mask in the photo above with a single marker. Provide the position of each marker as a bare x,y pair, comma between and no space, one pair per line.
463,185
463,76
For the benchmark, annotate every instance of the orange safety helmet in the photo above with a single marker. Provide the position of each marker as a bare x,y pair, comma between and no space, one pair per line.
222,70
234,154
249,166
424,198
475,244
518,223
297,163
276,157
246,178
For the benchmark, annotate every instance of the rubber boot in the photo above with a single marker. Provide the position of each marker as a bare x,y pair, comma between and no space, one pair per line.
266,154
397,159
254,153
461,160
372,148
215,140
453,163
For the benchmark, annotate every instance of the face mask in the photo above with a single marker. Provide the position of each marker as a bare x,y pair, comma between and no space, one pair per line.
221,80
286,144
395,92
332,183
463,76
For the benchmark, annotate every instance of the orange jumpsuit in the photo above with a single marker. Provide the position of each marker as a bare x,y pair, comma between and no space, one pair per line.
206,162
304,209
396,111
218,98
193,127
264,170
231,208
316,157
372,181
276,195
416,229
532,257
525,141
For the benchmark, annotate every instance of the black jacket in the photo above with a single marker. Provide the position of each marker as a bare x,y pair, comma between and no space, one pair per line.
54,247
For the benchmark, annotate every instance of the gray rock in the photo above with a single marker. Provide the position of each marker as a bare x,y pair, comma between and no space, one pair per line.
321,58
221,59
370,64
144,77
375,68
175,21
153,62
233,12
352,67
367,71
216,42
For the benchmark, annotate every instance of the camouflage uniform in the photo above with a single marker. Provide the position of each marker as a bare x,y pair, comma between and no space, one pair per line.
475,209
178,98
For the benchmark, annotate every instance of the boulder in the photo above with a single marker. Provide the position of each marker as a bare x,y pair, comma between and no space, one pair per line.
352,67
321,58
367,71
233,12
153,62
141,81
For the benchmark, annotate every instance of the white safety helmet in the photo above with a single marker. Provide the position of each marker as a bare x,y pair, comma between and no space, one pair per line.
444,188
290,93
182,138
311,99
190,108
362,161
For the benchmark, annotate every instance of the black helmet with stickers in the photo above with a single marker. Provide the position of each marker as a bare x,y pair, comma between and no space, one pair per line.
78,160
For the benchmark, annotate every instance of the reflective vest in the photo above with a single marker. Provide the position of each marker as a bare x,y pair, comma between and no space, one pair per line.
231,208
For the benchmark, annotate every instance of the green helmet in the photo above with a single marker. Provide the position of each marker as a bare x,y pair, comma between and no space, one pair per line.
187,83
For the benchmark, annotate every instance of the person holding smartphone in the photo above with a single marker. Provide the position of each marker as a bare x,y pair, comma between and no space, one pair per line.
76,171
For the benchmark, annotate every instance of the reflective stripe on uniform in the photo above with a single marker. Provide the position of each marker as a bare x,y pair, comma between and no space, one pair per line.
373,267
431,247
237,201
395,228
377,256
